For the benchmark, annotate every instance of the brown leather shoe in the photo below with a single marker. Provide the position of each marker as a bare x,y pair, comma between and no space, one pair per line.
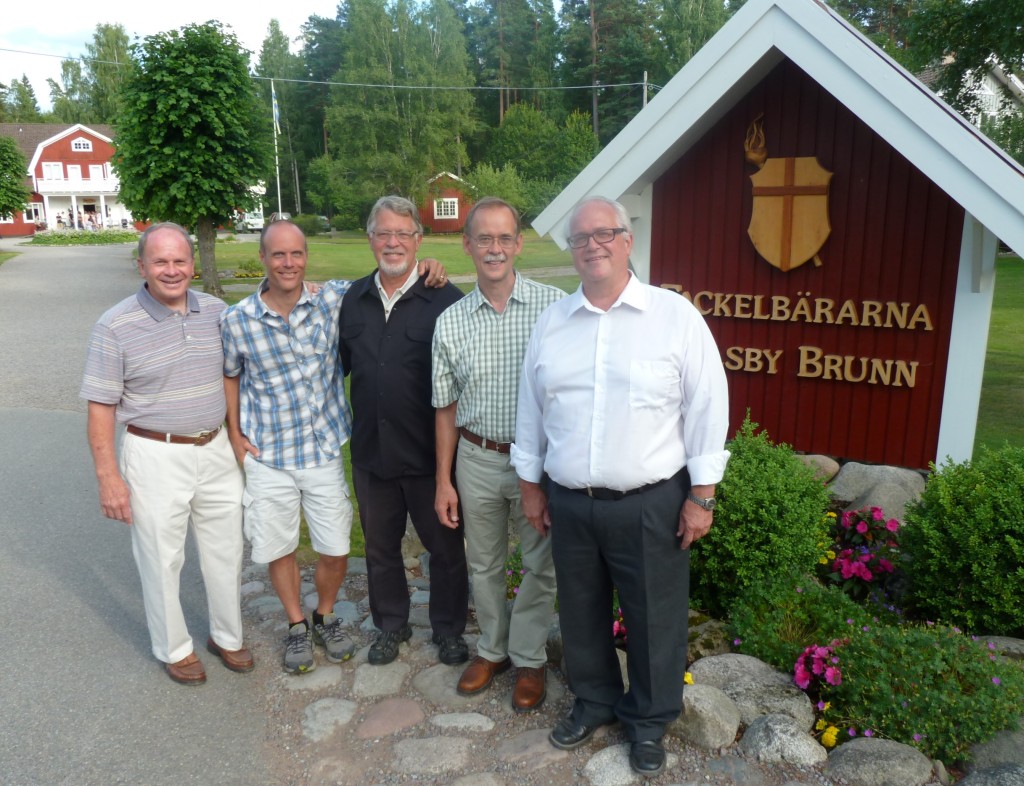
188,671
236,660
530,689
479,674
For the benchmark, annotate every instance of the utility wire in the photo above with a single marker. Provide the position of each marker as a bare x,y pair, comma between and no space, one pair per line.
650,85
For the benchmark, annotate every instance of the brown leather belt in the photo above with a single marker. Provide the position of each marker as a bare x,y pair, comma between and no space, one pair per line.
174,439
486,444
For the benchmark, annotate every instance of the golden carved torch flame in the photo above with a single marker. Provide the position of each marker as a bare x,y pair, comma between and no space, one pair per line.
754,145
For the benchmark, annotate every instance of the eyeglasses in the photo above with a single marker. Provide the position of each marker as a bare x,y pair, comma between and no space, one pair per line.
485,241
602,236
388,234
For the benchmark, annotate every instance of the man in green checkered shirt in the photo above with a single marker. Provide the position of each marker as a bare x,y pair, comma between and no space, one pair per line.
478,350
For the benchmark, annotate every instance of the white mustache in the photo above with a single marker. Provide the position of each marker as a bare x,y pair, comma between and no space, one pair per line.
495,258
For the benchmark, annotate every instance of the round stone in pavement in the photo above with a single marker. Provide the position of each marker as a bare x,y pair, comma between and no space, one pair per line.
610,766
388,717
323,716
386,680
432,755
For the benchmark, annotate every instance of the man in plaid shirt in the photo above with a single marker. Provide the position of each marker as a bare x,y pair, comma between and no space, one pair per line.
288,418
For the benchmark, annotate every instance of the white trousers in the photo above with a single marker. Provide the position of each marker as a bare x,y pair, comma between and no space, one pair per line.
171,487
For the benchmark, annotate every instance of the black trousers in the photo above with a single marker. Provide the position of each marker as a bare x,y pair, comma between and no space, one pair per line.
384,508
629,544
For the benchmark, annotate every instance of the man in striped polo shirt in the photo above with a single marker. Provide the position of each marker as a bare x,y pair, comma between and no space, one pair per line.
478,350
154,363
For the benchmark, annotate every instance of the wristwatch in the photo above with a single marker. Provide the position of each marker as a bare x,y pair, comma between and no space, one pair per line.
708,503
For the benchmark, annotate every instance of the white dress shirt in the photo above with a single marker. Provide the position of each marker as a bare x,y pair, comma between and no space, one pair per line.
622,398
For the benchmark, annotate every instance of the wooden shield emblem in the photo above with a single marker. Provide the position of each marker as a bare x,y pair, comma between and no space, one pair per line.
789,223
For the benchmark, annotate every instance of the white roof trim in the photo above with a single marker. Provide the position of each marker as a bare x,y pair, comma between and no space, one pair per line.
918,124
75,129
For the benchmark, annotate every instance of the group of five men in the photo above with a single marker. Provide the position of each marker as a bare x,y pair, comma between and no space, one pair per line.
595,423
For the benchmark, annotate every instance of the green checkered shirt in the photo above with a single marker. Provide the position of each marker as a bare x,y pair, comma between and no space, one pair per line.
478,356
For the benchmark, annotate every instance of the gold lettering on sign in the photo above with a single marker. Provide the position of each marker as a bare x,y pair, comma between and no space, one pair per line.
816,364
812,310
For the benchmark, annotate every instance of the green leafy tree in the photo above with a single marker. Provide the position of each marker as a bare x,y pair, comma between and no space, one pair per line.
1007,132
528,139
505,183
391,139
191,134
576,145
685,26
105,67
70,98
22,106
14,194
278,63
605,43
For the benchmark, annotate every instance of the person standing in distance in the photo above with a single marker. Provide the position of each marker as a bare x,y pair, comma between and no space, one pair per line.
623,404
478,350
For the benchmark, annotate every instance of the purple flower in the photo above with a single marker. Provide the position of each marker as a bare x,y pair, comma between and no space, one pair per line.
917,738
852,731
996,681
737,642
868,733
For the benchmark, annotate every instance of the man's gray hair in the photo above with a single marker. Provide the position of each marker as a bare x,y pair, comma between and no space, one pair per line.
621,214
144,237
395,204
488,202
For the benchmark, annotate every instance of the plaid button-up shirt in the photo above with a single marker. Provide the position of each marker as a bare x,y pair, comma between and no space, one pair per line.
292,395
478,356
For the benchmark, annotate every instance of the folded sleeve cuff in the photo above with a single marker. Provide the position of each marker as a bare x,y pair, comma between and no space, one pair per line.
707,470
529,467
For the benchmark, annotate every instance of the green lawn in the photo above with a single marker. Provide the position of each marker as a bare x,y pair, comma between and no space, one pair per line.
1000,418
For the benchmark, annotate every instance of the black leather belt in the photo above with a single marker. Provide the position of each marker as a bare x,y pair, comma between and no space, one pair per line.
613,495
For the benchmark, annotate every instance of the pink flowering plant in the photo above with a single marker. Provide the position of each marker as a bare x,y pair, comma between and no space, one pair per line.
864,554
817,663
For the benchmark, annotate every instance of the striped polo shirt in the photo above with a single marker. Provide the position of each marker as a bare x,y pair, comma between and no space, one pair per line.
478,356
163,369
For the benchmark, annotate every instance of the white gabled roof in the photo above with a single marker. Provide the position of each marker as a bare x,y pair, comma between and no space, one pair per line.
70,131
932,136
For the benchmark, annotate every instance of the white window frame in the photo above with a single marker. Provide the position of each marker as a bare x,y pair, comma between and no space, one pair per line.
81,145
446,208
96,172
74,171
49,167
33,212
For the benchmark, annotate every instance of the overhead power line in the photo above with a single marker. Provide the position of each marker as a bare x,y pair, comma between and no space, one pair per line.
650,85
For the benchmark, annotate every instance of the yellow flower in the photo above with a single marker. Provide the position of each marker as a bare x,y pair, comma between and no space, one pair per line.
827,706
820,724
688,678
828,739
830,515
823,560
830,554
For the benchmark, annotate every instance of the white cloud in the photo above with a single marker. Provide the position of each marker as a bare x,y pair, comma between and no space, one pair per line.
40,38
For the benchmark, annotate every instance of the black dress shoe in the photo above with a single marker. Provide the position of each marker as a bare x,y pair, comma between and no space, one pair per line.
568,734
647,757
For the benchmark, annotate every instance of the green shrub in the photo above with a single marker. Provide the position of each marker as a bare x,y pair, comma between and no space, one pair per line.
250,268
964,543
770,519
927,686
84,237
308,223
777,618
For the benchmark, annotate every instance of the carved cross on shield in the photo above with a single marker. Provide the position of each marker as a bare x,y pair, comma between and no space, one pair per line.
789,222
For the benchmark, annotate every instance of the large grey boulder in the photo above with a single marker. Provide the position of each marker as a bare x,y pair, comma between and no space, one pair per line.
869,761
1004,775
756,687
778,738
1006,747
867,485
709,719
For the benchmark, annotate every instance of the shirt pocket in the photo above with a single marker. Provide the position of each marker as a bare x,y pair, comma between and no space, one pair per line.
653,384
319,340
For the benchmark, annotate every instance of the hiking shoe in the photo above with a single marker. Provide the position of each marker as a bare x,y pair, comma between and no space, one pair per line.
339,647
385,648
451,648
298,650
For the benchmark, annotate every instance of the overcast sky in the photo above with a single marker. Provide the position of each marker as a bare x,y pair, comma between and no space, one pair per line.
43,33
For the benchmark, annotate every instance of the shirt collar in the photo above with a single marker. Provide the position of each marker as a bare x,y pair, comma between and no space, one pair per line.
634,295
158,310
410,280
520,292
260,308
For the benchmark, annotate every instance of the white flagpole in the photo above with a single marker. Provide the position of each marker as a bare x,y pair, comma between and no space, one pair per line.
277,130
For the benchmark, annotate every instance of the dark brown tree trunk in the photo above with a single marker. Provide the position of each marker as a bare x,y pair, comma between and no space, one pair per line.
206,234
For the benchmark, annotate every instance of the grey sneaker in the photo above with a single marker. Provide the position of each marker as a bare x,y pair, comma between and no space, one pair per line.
339,647
298,650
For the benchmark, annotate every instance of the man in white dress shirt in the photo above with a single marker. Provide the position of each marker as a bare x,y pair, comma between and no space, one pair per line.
623,405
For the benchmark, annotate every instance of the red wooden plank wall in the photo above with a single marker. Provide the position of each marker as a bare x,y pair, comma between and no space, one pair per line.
895,237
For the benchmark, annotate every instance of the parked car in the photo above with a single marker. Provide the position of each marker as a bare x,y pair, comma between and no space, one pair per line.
249,222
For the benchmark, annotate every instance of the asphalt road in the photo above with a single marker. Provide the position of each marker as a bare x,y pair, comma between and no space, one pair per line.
82,699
